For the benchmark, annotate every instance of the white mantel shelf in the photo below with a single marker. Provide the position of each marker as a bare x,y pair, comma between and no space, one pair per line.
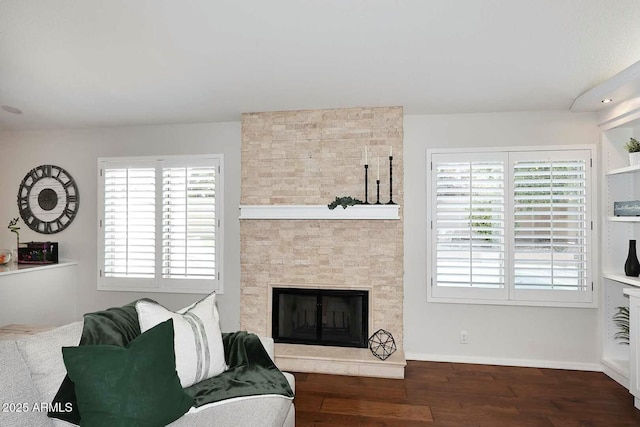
319,212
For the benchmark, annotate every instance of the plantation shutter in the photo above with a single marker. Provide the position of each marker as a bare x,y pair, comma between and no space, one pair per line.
511,226
160,224
551,224
469,227
189,222
129,221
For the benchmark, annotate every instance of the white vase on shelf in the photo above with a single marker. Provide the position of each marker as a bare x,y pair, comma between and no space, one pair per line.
634,159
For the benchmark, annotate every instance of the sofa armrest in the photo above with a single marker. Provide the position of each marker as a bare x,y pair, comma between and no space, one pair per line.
267,343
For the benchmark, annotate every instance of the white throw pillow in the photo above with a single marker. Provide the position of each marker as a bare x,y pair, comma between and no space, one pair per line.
197,337
43,355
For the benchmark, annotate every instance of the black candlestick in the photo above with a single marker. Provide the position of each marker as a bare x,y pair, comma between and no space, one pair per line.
366,184
391,181
378,192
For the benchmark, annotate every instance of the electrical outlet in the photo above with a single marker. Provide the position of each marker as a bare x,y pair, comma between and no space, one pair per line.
464,337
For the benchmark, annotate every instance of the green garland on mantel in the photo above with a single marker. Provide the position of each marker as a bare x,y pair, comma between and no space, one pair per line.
344,202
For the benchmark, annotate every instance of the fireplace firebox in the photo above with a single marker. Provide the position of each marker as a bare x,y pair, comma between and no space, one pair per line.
320,317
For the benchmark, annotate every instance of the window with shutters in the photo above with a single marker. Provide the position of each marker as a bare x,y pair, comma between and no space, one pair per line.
510,226
160,224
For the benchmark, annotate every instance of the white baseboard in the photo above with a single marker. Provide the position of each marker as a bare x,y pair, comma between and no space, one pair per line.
550,364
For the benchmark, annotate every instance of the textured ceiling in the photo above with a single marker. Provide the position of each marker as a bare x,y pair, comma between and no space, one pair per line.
84,63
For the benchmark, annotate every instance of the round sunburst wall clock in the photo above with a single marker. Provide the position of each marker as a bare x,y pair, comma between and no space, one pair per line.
48,199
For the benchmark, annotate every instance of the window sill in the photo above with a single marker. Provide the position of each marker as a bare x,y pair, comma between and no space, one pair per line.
561,304
159,290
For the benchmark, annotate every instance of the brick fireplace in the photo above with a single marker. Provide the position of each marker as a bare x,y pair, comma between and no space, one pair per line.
309,158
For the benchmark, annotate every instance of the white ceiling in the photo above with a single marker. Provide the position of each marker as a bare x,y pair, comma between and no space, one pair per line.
84,63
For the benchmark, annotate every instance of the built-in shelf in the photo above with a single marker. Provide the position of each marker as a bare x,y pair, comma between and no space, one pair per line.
623,218
632,292
618,122
620,277
319,212
29,268
626,169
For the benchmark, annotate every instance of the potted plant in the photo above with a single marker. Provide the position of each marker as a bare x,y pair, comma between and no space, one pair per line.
621,320
633,147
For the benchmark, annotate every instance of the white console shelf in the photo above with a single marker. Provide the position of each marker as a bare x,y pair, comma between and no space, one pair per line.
319,212
13,268
38,294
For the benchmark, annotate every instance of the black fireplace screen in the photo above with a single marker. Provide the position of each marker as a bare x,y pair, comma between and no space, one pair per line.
320,317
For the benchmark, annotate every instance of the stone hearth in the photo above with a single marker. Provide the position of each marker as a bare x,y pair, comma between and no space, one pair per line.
338,361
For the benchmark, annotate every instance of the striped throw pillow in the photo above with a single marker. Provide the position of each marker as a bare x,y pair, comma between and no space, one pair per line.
197,337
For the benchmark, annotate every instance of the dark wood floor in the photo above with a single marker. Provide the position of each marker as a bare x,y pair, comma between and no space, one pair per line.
460,395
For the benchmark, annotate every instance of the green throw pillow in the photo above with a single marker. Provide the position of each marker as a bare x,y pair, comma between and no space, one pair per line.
136,385
115,326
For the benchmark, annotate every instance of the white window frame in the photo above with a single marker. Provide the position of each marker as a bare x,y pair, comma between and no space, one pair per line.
158,283
509,295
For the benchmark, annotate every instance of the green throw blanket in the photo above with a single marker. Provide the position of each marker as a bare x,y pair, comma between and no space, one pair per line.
251,371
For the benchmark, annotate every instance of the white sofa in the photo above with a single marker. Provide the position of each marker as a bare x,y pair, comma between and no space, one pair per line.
32,369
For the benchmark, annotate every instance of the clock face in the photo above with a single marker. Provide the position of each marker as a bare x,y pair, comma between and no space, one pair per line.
48,199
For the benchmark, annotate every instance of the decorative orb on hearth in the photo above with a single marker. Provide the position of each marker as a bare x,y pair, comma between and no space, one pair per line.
382,344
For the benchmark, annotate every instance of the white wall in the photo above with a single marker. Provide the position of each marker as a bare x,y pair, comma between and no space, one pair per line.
77,151
532,336
535,336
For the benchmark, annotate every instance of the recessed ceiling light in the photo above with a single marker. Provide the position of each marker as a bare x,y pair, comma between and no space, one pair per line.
606,100
10,109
